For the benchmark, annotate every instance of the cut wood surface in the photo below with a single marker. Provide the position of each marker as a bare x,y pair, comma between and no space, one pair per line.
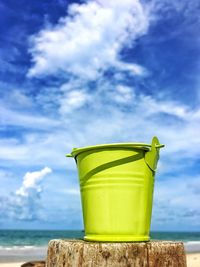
79,253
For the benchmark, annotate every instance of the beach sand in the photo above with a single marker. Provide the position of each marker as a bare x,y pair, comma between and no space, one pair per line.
193,260
13,264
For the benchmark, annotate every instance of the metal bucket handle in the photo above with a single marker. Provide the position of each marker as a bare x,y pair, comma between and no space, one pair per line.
152,156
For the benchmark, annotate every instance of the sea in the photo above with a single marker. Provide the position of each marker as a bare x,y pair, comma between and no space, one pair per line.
26,245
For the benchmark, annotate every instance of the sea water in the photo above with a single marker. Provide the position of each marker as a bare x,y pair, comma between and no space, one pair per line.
22,245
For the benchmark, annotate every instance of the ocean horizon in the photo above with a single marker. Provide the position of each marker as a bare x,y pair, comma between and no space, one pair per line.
22,245
33,237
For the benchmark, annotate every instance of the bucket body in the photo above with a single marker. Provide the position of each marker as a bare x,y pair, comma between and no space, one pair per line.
116,184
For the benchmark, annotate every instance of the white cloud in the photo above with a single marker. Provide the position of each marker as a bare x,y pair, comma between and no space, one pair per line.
15,98
73,100
124,94
112,115
89,39
73,191
24,203
177,201
10,116
132,68
35,149
31,181
188,9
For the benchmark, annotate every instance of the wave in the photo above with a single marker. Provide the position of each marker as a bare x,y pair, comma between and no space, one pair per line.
192,246
22,253
21,247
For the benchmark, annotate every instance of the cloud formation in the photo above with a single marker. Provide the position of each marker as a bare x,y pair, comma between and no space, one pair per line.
123,114
85,43
177,201
24,203
89,39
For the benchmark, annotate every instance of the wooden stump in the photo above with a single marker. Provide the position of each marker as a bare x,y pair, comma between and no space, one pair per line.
79,253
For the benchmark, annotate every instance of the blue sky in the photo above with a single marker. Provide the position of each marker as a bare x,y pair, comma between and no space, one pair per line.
77,73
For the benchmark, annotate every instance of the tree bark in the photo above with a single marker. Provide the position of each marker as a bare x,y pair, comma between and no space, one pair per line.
79,253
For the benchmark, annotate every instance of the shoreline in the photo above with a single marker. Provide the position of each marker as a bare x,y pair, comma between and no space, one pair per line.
22,254
15,256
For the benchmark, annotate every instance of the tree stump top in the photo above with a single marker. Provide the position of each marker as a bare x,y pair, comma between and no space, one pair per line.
80,253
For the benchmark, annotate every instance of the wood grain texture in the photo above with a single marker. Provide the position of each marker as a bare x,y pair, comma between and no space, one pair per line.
79,253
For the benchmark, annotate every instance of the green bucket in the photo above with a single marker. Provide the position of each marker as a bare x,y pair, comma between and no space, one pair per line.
116,183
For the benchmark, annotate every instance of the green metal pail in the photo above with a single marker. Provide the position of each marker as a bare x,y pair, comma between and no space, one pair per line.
116,183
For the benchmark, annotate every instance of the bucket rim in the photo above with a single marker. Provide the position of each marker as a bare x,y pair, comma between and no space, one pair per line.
142,146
